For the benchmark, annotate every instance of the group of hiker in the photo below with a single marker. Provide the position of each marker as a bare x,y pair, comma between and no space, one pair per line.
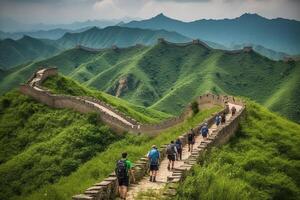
173,151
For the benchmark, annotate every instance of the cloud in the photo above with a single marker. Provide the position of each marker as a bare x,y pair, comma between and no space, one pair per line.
185,1
65,11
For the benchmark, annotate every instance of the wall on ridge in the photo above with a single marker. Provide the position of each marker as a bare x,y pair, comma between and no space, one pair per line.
87,104
107,189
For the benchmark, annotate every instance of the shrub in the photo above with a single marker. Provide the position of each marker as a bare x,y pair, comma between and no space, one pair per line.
194,107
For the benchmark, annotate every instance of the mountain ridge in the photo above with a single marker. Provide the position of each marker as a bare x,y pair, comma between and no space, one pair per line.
277,34
154,75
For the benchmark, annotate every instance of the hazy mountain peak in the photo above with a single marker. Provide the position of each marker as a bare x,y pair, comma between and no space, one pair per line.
161,16
250,16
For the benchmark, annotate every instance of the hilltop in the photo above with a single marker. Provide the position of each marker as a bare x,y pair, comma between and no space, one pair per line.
154,76
279,34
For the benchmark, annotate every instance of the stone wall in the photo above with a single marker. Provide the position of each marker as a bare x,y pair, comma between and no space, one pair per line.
107,189
86,104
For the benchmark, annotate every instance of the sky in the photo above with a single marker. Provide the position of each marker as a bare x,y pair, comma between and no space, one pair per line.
67,11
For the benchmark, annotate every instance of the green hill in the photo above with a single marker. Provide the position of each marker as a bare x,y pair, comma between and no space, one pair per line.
261,162
15,52
62,152
154,76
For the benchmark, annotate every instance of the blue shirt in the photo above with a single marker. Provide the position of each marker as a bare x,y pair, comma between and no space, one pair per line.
153,156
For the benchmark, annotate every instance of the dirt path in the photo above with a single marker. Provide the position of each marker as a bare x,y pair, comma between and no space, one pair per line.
163,173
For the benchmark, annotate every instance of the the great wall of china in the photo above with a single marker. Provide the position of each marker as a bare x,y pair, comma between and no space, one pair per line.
120,124
245,49
107,189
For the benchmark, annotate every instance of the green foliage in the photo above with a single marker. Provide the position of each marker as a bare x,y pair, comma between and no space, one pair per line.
194,107
167,77
261,162
101,165
39,145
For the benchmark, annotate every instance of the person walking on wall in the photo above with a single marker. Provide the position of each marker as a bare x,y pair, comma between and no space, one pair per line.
153,157
123,171
191,139
218,120
204,131
178,144
233,110
171,153
223,118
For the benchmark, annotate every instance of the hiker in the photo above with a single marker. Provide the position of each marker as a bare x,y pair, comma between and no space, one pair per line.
153,157
233,110
204,131
223,118
218,120
191,139
178,144
172,153
123,168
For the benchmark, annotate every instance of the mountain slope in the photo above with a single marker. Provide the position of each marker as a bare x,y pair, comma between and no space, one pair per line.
23,50
154,76
15,52
115,35
243,169
278,34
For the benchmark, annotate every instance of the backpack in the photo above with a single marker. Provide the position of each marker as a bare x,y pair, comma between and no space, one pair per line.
170,149
121,169
178,144
190,137
204,130
153,155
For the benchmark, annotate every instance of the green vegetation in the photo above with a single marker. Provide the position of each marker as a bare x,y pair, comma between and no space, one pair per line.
39,145
15,52
63,85
156,76
261,162
101,165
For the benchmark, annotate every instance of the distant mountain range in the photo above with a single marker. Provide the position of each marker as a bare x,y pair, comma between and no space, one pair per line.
279,34
115,35
52,34
15,52
9,25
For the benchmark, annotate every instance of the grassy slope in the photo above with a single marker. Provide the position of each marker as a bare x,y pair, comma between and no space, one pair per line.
157,75
286,98
38,145
261,162
103,163
63,85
